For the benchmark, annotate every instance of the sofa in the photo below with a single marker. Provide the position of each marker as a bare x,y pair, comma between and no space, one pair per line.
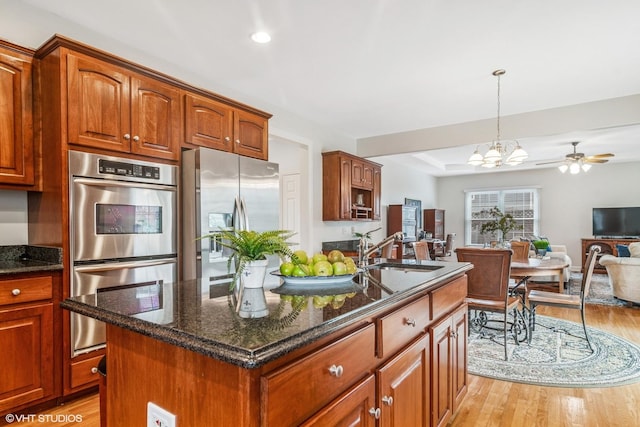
624,274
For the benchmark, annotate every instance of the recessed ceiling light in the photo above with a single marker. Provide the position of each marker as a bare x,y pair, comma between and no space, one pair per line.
261,37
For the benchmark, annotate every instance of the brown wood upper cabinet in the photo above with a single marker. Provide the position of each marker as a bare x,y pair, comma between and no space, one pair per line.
213,124
350,187
112,108
16,118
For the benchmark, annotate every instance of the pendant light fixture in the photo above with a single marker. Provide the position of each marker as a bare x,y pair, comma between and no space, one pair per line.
500,152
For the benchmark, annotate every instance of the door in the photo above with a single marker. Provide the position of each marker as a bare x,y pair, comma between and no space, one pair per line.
290,205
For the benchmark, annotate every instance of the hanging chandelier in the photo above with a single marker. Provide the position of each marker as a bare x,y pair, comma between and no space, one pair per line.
500,152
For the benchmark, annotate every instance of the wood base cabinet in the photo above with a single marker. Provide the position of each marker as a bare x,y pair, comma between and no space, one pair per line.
27,338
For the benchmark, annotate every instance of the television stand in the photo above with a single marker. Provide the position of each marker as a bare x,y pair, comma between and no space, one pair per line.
607,246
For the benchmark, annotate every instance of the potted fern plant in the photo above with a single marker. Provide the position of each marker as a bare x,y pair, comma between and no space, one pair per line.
505,223
249,252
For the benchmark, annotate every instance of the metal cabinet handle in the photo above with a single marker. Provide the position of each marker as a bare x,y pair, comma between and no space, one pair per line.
409,321
387,400
453,334
127,136
226,138
136,138
237,141
336,371
15,292
375,412
94,370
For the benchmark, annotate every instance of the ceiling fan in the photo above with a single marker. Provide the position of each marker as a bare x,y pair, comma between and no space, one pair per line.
575,161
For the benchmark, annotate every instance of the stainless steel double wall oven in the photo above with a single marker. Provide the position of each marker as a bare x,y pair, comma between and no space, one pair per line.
123,231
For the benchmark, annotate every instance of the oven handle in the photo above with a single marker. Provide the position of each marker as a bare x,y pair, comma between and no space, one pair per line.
112,183
121,265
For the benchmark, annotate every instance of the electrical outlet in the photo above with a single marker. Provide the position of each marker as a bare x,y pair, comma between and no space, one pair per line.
159,417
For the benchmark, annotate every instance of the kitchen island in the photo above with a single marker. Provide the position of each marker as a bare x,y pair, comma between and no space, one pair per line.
393,347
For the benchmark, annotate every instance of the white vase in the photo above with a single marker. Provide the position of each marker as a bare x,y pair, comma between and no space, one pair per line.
253,273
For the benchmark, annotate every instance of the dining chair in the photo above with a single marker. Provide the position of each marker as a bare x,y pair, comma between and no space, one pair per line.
387,251
536,297
520,251
448,244
421,250
488,291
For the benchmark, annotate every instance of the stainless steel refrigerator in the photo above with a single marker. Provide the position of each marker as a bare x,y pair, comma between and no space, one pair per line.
221,190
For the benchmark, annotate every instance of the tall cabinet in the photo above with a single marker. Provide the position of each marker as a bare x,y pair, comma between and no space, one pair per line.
434,223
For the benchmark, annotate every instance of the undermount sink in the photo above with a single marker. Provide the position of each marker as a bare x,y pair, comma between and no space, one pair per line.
403,266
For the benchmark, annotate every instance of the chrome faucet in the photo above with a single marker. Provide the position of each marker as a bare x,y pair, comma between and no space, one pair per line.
365,251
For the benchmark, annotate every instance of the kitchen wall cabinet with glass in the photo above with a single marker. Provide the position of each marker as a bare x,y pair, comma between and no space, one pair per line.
16,118
350,187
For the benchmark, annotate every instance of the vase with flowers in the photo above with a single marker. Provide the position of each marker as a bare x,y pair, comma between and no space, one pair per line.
502,222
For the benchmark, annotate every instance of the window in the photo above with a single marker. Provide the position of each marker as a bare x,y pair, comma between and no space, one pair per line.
522,204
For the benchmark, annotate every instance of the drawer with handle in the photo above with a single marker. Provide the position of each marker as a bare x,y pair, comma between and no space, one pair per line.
17,291
293,393
400,327
85,371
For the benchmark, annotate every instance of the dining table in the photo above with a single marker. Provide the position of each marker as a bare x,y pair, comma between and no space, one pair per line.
536,267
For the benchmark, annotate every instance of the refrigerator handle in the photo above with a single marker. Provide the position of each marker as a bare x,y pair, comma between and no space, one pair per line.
245,214
238,215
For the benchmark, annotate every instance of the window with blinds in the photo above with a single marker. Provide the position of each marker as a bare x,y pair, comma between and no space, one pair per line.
522,204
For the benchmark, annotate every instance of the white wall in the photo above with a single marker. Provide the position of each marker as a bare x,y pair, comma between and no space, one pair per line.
13,218
565,200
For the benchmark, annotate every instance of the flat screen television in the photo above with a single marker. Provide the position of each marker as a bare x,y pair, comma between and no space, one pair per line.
616,222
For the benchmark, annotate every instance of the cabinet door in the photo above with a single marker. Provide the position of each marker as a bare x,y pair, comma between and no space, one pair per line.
155,119
26,337
361,175
16,120
251,135
459,347
354,408
97,104
442,368
345,188
403,391
208,123
377,185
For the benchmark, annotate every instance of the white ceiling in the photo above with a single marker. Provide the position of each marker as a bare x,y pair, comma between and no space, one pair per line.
376,67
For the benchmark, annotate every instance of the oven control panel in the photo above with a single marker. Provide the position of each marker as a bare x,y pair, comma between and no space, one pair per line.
112,167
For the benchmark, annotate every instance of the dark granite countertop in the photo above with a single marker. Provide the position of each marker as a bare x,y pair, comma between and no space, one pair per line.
202,318
26,259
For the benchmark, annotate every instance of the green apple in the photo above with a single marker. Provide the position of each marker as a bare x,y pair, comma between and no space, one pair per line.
300,256
321,301
339,268
286,268
323,268
319,256
351,268
300,270
335,256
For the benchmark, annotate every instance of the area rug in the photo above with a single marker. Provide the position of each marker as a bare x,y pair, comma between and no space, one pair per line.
558,356
600,291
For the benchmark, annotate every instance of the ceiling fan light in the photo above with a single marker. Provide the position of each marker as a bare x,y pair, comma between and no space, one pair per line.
563,168
475,159
574,168
586,167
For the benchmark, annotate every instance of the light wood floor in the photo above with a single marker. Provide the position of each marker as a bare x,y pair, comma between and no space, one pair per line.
499,403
